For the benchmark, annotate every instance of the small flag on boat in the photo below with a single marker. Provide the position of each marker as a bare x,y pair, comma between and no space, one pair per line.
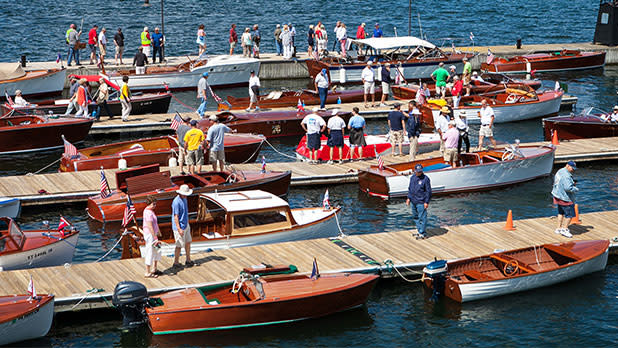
300,106
69,149
31,289
325,201
64,223
263,164
380,162
490,56
532,73
58,58
315,272
176,122
8,97
105,191
129,212
471,37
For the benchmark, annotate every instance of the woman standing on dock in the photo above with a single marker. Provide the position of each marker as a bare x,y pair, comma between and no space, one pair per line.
150,231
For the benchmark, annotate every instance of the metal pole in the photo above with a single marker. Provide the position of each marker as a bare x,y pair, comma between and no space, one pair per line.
409,17
163,31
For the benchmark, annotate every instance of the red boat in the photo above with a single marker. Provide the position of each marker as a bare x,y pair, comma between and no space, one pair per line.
239,148
138,183
34,133
271,124
25,318
546,62
591,123
278,99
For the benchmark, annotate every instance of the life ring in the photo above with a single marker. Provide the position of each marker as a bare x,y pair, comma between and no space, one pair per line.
232,178
511,268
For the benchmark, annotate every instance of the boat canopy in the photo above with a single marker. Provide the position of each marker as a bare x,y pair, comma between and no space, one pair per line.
385,43
245,200
95,78
9,71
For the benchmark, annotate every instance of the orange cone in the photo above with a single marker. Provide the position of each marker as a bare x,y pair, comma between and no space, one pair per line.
576,220
554,138
509,222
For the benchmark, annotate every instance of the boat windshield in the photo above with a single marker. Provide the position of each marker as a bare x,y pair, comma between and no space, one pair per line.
594,111
10,232
260,221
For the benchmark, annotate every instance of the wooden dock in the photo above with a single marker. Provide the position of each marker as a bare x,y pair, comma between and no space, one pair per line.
52,188
90,285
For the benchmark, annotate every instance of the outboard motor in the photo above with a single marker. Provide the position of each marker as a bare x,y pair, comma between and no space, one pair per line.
436,271
131,298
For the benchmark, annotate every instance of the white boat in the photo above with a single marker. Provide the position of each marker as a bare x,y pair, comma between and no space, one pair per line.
237,219
34,83
222,71
508,107
30,249
10,207
23,318
513,271
482,170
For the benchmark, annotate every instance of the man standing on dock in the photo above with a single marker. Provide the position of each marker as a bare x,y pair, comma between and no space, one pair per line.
413,128
451,138
313,125
233,38
215,140
157,46
146,41
181,227
467,75
254,92
92,43
202,89
369,84
119,42
419,195
72,38
440,75
563,193
486,114
278,44
396,124
387,80
194,141
140,60
180,134
125,98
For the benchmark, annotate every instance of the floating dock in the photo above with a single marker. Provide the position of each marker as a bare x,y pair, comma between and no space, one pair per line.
53,188
91,285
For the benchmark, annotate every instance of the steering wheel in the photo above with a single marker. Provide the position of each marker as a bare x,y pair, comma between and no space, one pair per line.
508,154
512,98
232,178
511,268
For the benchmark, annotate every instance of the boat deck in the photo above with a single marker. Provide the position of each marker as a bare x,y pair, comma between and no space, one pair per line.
90,285
77,186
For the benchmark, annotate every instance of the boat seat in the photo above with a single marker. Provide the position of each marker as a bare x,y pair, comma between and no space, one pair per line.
476,275
436,166
542,266
487,159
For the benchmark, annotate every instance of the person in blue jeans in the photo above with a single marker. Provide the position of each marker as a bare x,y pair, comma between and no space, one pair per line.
419,195
321,85
202,89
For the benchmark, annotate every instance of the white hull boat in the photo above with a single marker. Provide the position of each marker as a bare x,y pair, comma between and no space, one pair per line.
10,207
36,83
24,319
410,71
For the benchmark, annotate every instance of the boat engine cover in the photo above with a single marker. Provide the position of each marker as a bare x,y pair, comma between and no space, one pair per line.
436,267
129,292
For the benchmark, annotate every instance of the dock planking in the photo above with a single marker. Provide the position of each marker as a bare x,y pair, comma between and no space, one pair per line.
90,285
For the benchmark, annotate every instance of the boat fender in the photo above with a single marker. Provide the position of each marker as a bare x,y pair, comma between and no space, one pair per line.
528,67
172,162
342,77
122,164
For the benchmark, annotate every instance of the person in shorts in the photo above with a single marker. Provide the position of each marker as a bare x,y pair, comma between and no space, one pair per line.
356,126
396,124
313,125
451,138
180,134
194,140
336,127
387,80
181,227
214,142
119,42
486,114
563,193
369,84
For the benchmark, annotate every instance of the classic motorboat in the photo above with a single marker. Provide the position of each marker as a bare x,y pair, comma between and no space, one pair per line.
224,71
10,207
475,171
591,123
510,106
257,297
507,272
377,145
24,318
239,148
546,62
34,248
408,55
245,218
139,183
271,123
279,99
29,133
33,83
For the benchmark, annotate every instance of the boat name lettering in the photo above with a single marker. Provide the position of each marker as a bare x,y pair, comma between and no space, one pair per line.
34,256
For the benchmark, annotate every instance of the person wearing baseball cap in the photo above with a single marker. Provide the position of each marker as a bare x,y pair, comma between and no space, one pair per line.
194,146
181,227
215,142
202,89
563,193
419,195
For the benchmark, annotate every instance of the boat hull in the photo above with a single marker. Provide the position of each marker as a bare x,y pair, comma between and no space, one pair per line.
10,207
47,84
290,99
56,253
584,60
578,128
34,323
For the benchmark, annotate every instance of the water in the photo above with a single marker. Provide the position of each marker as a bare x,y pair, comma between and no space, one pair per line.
582,312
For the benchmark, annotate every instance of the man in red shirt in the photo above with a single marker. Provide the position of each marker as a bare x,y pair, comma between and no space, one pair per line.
92,43
456,90
360,34
233,38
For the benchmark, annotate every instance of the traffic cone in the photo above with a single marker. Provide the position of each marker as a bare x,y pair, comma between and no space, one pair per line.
576,220
509,222
554,138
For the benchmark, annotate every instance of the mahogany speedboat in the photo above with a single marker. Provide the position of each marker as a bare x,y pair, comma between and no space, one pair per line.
239,148
245,218
545,62
272,123
476,171
34,133
507,272
34,83
24,318
34,248
591,123
251,300
278,99
138,183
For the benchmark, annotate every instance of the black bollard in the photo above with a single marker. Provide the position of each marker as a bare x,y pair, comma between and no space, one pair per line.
518,44
23,60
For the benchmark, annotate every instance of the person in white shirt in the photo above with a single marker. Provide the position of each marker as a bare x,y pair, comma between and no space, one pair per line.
441,125
313,125
476,77
321,86
461,121
613,117
336,127
487,117
102,45
19,100
254,91
369,85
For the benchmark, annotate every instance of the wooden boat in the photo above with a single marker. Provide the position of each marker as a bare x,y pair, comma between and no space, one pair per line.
245,218
239,148
224,71
23,318
29,133
507,272
34,83
415,59
376,145
257,301
144,181
35,248
476,171
279,99
10,207
272,123
514,105
588,124
545,62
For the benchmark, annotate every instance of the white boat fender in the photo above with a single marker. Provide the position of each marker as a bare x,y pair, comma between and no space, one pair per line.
122,164
528,67
342,77
172,162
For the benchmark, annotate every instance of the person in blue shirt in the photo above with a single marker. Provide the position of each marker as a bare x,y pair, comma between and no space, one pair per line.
356,126
413,127
377,32
396,124
419,195
563,193
157,46
181,227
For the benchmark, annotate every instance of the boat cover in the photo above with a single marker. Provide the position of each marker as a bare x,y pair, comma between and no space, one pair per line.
9,71
383,43
95,78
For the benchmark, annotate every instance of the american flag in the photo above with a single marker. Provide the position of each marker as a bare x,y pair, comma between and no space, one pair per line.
62,224
315,271
300,106
263,164
31,289
325,201
58,58
471,37
490,56
129,212
105,191
8,97
69,149
176,121
380,162
214,96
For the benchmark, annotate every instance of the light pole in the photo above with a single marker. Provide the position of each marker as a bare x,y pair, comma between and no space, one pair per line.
409,17
163,31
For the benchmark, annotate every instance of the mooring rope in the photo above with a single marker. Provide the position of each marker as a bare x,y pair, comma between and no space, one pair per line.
277,151
112,248
389,264
47,166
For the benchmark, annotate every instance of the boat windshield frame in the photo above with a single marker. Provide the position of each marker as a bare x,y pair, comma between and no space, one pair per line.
13,234
593,111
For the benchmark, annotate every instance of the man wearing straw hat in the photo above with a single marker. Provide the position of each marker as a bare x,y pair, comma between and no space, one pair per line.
181,227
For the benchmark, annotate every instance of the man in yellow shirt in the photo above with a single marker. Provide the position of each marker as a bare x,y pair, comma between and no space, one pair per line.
194,140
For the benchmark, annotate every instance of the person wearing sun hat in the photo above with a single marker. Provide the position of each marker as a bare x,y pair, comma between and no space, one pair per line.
563,193
181,226
441,125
